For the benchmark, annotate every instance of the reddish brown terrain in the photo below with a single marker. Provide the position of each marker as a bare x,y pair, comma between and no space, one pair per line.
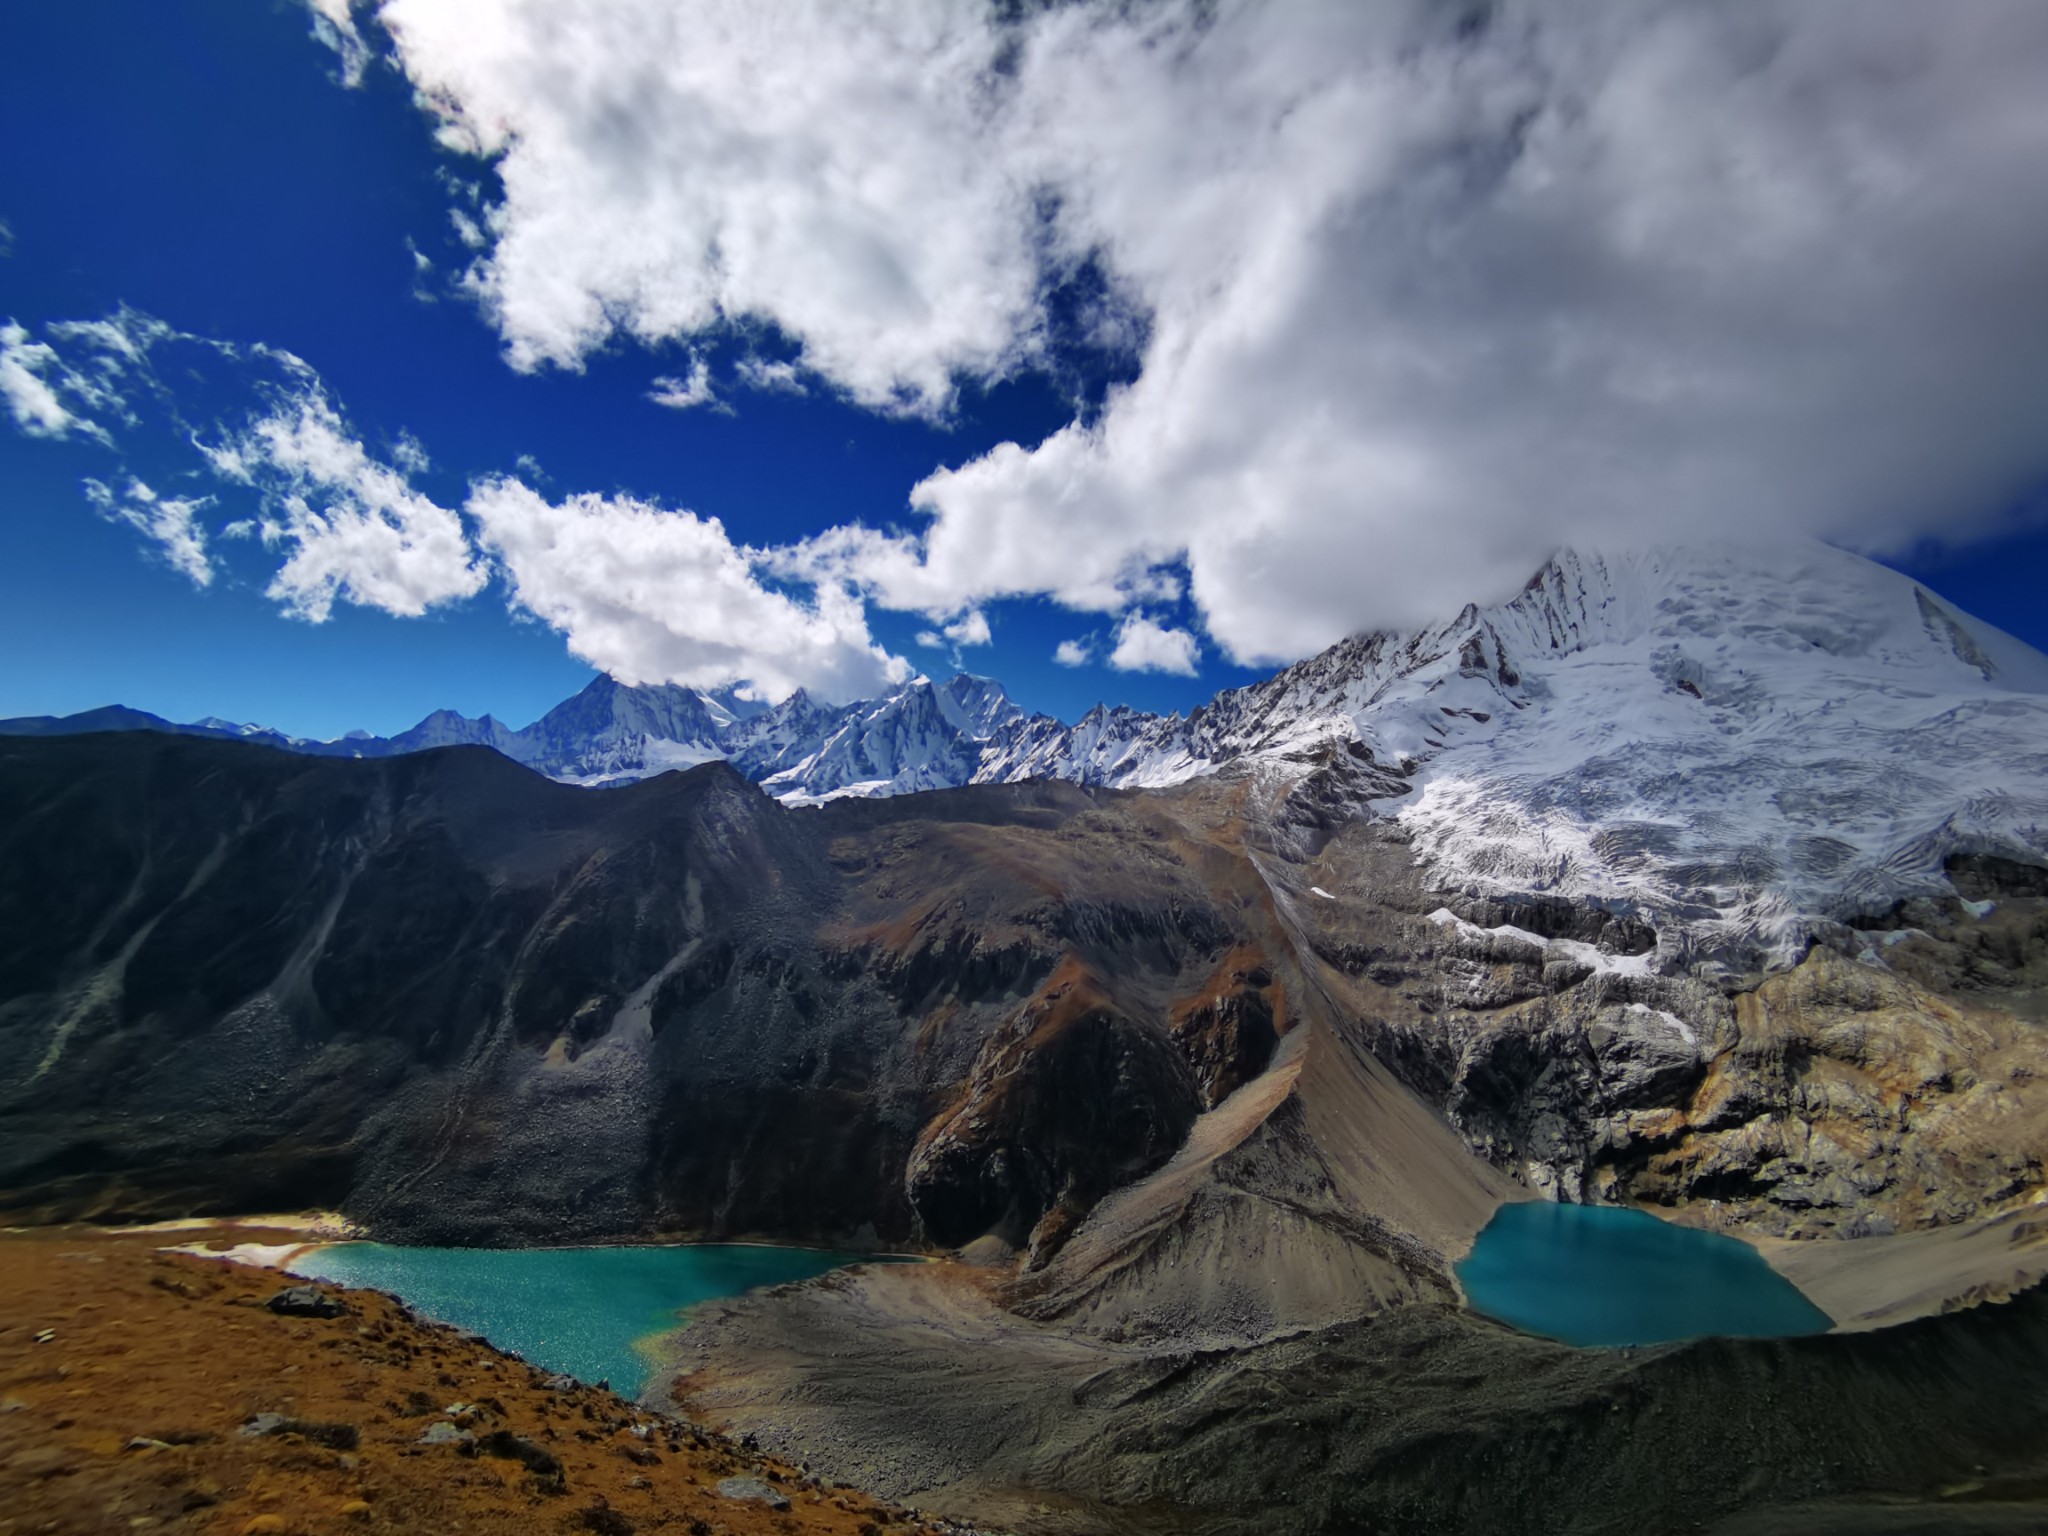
128,1376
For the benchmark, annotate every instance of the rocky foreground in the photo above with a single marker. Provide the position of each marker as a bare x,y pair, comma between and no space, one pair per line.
1419,1420
145,1391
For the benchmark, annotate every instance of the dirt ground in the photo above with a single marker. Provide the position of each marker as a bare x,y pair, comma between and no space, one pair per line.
128,1375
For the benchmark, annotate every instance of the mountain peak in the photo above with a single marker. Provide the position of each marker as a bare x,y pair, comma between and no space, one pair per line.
1743,744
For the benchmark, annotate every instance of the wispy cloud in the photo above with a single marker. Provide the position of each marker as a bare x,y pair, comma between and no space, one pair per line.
30,376
649,593
682,393
334,25
347,521
171,523
780,378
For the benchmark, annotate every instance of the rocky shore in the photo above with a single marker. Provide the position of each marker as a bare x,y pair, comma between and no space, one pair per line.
1421,1420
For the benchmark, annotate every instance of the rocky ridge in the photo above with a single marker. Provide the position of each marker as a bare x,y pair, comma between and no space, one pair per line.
1745,751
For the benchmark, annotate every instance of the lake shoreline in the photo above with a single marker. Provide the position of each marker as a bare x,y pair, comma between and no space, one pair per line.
1608,1276
588,1311
143,1398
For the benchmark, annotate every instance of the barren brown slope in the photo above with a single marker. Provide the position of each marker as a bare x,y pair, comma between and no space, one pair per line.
128,1376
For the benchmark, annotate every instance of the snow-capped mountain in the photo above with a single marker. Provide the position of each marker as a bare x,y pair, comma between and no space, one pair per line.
1743,746
925,736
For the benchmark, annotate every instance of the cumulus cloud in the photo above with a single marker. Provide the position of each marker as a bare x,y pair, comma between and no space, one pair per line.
353,527
1073,653
971,628
1143,644
1423,291
169,522
651,594
666,167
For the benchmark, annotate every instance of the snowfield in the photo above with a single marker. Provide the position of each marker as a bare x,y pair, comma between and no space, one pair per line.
1741,747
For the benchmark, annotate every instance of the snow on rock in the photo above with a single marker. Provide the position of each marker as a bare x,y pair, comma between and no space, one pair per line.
1590,958
1677,1025
1740,746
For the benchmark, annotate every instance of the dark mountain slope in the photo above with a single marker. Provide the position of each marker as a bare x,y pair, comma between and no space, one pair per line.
465,1001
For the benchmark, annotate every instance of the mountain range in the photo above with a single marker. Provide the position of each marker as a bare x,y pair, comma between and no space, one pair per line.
1707,882
1744,747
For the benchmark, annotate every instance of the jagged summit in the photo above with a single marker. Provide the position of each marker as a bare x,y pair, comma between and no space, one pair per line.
1742,745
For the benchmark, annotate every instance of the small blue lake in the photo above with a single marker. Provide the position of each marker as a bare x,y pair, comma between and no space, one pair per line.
1600,1275
584,1311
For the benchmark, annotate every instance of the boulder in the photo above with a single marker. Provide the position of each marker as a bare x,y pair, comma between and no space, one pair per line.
751,1490
306,1301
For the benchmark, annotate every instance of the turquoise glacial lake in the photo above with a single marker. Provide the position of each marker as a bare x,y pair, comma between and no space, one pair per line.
583,1311
1600,1275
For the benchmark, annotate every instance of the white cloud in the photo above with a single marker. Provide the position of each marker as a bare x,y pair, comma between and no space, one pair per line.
650,594
1073,653
821,163
467,230
123,339
334,25
354,528
410,455
971,628
771,378
350,525
680,394
103,367
1425,292
34,404
171,522
1145,645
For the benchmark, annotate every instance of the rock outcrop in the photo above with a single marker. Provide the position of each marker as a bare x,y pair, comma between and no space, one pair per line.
466,1003
1889,1082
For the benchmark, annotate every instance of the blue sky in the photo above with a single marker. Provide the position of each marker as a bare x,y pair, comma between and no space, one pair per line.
200,164
210,165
